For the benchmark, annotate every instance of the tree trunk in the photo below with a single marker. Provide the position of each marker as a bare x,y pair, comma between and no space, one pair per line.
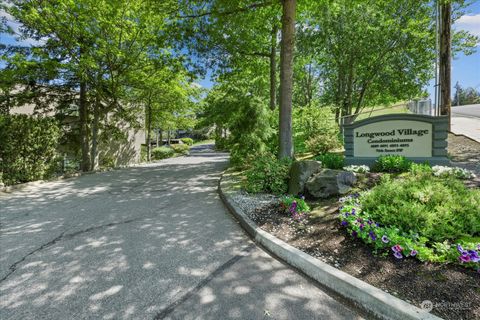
286,79
149,129
96,120
273,68
445,59
168,136
156,136
83,118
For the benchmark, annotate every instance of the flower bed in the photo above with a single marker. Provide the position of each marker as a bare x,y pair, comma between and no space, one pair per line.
390,239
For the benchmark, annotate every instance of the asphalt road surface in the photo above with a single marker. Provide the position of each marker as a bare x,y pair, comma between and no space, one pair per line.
466,121
147,242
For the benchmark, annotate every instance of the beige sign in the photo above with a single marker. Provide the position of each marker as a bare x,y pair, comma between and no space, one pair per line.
400,137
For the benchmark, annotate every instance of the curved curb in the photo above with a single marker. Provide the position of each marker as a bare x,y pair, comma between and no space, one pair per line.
367,296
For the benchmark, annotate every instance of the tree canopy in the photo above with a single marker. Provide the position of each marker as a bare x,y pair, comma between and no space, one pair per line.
136,62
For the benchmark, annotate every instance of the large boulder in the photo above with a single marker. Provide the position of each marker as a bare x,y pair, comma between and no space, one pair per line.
328,182
299,174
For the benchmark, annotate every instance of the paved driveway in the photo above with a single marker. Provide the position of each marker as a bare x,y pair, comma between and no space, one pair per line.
148,242
466,121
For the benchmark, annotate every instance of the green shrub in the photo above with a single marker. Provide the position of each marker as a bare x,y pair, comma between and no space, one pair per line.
435,208
162,153
221,143
422,168
331,160
322,143
315,130
187,141
28,148
267,174
392,164
180,148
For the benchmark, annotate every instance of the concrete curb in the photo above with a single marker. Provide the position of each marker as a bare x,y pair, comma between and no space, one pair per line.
361,293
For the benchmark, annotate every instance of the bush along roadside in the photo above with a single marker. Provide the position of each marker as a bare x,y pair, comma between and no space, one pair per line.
391,240
28,148
268,174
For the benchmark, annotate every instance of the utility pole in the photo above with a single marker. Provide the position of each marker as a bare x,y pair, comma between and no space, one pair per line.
445,59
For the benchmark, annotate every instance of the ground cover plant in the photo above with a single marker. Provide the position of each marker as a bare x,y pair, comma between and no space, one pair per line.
297,209
422,216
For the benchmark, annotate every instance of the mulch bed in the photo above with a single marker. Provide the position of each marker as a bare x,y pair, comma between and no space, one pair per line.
454,291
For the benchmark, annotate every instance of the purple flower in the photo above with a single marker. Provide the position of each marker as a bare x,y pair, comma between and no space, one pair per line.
473,255
354,234
377,224
347,214
372,235
344,223
461,250
397,248
359,219
464,258
385,239
413,253
369,222
362,226
353,211
398,255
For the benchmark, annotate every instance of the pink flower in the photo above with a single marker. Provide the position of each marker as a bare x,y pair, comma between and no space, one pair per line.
397,248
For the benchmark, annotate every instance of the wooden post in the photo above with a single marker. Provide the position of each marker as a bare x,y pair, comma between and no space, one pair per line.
445,59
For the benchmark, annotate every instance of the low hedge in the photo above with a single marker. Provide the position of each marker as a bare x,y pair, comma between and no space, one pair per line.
187,141
160,153
180,148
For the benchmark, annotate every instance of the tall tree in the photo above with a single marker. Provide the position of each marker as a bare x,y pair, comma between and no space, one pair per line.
286,79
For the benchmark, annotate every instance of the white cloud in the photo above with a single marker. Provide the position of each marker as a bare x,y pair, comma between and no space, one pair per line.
469,23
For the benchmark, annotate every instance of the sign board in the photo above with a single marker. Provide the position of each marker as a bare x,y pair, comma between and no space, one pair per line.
418,137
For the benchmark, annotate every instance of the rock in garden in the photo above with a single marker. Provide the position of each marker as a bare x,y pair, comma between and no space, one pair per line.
328,182
299,174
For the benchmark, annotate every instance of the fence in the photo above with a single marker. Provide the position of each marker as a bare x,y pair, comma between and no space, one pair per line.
424,107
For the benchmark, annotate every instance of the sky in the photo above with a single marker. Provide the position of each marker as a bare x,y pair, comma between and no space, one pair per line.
465,69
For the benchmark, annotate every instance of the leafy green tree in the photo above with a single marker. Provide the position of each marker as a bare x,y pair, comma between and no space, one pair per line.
465,96
94,46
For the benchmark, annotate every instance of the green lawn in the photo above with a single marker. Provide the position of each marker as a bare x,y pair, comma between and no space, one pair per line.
381,110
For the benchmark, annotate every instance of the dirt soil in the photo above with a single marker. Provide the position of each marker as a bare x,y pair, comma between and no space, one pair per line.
454,291
464,152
